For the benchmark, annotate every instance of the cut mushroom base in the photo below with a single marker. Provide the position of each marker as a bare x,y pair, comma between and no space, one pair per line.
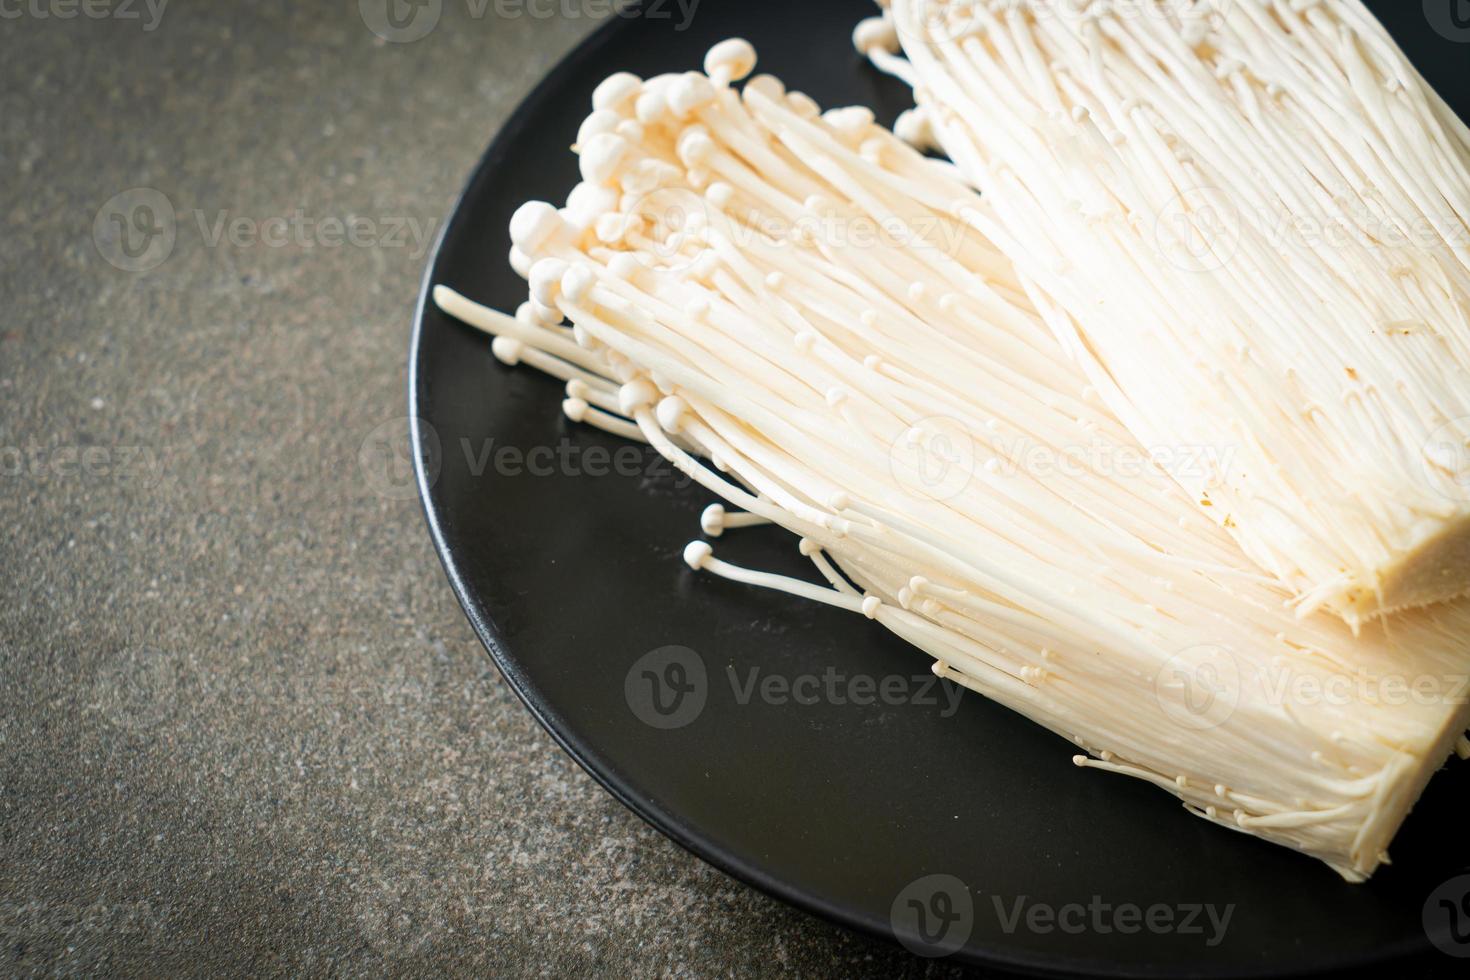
890,397
1250,224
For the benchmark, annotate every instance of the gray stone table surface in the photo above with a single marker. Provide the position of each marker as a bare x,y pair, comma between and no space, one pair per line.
244,726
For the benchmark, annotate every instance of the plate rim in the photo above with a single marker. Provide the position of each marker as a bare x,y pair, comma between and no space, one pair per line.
668,823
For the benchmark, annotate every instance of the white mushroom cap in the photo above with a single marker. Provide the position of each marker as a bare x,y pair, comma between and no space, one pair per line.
691,92
601,121
520,262
616,92
875,33
546,280
533,225
729,61
602,157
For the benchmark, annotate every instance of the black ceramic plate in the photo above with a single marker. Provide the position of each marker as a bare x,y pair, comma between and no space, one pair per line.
564,545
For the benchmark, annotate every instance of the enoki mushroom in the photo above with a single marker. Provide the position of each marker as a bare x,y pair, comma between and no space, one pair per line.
1249,222
804,315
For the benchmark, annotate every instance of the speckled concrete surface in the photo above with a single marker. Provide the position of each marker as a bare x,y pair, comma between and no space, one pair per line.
244,726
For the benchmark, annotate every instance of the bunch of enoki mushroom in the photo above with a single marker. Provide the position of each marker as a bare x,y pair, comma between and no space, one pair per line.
1249,222
808,317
